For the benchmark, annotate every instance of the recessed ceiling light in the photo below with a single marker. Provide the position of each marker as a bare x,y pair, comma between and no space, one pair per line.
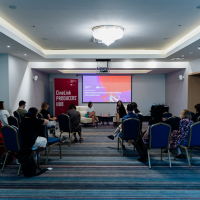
12,7
190,52
8,46
198,7
177,58
198,47
25,54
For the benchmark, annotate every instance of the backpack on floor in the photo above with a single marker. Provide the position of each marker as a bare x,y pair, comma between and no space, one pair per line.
28,164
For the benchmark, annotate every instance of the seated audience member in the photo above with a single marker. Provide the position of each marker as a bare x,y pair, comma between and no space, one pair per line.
142,142
91,113
197,107
135,108
4,114
2,149
181,136
30,129
75,119
119,128
46,115
21,109
121,112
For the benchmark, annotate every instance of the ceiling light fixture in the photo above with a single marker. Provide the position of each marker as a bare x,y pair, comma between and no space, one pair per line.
177,58
108,33
8,46
111,71
198,47
25,54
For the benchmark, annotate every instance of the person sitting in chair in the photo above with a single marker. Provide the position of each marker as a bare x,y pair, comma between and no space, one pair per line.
197,107
75,120
21,109
130,114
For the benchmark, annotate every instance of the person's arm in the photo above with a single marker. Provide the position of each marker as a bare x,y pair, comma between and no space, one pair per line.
45,122
51,119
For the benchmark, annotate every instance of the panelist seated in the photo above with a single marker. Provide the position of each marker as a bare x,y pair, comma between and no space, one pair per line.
75,120
91,113
121,112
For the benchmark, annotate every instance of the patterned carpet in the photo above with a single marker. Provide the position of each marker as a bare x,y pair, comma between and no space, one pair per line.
96,170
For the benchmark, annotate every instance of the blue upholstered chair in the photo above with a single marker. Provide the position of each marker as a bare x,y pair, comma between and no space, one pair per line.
159,137
50,141
12,142
193,140
65,126
167,115
130,131
18,116
13,121
198,119
174,122
52,128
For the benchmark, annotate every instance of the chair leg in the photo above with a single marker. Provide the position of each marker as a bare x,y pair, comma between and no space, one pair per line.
175,153
169,159
48,155
70,139
118,145
190,153
161,155
45,151
19,170
122,148
188,157
80,136
60,151
4,162
149,159
129,143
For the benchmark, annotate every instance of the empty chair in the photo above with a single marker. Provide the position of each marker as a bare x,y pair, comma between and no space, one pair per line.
130,131
167,115
193,139
13,121
18,116
174,122
65,126
159,137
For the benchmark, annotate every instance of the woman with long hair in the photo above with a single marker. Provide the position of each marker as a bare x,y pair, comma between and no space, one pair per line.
91,113
135,108
121,112
4,114
46,115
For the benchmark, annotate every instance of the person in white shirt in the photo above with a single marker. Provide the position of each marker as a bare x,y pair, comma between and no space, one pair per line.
91,113
4,114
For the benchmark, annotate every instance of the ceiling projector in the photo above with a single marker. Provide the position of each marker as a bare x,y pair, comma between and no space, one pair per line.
102,66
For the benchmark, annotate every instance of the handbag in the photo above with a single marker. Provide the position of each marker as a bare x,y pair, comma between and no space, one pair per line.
86,115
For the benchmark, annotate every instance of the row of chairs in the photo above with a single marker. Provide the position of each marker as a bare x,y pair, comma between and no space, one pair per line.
159,136
12,138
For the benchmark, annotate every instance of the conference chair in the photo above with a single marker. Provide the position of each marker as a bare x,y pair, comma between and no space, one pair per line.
193,140
174,122
65,126
12,143
50,142
130,131
18,116
159,137
52,128
13,121
167,115
198,119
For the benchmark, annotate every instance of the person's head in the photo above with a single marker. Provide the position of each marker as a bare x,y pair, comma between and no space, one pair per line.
197,107
185,114
45,105
90,104
119,103
157,112
32,112
22,104
2,105
130,107
135,107
72,106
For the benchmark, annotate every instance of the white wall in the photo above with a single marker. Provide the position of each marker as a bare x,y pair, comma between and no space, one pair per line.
22,86
146,90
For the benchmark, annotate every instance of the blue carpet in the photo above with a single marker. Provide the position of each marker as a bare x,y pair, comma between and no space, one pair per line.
95,169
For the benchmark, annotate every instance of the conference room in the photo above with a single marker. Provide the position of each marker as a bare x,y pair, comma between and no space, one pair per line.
112,88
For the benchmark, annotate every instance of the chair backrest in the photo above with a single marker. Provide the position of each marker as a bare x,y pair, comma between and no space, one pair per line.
167,115
13,121
18,115
11,138
194,135
159,135
40,116
174,122
64,123
130,129
198,119
141,120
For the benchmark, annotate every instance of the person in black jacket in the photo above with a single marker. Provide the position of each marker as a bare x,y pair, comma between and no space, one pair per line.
121,112
197,107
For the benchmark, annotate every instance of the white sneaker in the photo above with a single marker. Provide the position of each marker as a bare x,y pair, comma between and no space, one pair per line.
17,162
